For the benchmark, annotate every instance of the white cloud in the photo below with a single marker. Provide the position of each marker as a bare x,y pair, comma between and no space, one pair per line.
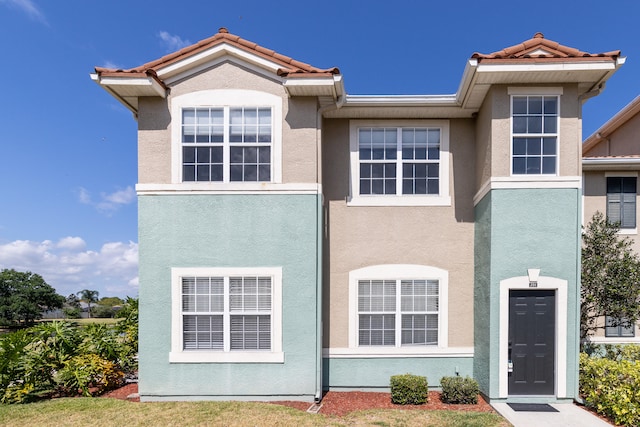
69,267
172,43
28,7
109,202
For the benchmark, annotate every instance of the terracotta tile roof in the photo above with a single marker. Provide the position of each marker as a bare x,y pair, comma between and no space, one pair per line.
532,51
289,66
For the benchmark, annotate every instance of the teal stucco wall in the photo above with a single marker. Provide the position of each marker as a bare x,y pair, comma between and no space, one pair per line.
375,373
229,231
518,229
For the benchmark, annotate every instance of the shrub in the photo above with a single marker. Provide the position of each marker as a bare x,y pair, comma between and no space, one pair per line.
459,390
89,374
612,387
409,389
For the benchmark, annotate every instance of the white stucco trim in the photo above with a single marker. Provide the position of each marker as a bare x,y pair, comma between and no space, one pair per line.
399,272
522,282
535,90
411,352
178,355
527,182
230,188
443,198
226,98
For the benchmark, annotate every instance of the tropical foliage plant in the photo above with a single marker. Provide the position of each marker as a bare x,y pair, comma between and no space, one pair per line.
61,359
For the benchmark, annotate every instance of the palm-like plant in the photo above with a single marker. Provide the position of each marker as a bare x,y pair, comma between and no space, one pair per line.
89,297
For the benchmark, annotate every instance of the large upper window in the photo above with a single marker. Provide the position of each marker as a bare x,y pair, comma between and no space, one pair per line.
399,163
398,308
226,144
226,139
226,312
535,135
621,200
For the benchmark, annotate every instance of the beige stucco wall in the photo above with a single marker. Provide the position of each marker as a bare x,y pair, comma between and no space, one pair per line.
365,236
595,199
299,135
494,134
624,141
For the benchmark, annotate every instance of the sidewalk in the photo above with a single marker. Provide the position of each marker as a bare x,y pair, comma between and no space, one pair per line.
568,415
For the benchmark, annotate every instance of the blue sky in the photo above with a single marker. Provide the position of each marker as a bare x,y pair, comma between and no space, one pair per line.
68,149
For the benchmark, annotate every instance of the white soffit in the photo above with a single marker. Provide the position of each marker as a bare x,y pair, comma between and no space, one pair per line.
131,86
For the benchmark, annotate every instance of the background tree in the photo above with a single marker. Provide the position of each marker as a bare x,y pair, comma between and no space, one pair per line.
24,296
610,277
110,301
72,309
89,297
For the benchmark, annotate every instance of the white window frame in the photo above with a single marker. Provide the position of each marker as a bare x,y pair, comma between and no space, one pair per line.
399,272
534,91
443,197
622,174
179,355
226,99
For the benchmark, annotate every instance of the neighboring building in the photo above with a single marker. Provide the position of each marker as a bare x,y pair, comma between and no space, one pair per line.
610,164
294,238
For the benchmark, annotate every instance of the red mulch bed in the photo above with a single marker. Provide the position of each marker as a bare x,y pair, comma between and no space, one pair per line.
341,403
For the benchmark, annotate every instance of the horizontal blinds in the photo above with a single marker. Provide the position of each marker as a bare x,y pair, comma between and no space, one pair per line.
248,310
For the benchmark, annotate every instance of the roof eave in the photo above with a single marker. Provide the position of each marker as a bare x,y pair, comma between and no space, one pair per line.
310,85
124,87
610,163
620,118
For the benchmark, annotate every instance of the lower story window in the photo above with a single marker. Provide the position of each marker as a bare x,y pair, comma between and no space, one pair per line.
613,328
212,323
398,312
226,314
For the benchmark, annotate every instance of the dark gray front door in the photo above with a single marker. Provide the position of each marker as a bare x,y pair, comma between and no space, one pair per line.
532,325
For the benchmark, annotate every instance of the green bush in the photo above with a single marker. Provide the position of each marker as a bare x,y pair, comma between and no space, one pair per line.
459,390
58,359
409,389
612,387
89,374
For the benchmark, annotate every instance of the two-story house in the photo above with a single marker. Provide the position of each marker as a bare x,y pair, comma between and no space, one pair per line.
611,161
294,238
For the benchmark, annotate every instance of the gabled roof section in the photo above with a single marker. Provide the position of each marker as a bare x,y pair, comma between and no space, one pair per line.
537,61
287,66
154,78
540,48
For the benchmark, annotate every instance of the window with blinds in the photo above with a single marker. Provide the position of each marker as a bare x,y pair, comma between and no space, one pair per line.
398,312
227,313
621,200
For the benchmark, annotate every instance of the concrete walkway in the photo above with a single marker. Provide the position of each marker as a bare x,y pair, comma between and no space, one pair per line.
568,415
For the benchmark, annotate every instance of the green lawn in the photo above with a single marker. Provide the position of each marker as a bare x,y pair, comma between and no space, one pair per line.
112,412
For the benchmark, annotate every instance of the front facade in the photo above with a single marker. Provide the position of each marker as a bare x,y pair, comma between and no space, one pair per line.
294,238
611,162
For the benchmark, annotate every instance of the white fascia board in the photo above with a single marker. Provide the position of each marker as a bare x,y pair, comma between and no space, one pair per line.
142,83
572,66
400,100
468,76
215,52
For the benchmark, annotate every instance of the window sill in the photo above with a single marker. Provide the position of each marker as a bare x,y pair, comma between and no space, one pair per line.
392,352
394,200
205,356
628,231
